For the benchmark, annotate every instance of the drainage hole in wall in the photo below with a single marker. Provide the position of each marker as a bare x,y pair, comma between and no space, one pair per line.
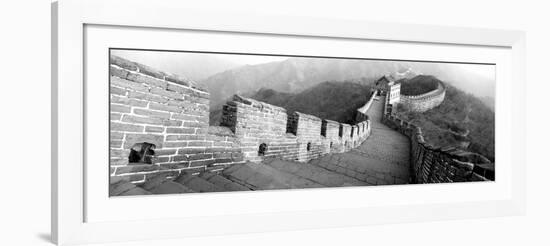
142,153
262,149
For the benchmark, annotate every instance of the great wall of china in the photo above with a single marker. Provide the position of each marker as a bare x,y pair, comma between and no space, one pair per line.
437,165
172,113
426,101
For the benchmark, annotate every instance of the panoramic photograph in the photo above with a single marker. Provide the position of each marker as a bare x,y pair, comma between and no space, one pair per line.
195,122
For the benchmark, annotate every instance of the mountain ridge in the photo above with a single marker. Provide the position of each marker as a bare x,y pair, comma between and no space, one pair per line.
296,74
332,100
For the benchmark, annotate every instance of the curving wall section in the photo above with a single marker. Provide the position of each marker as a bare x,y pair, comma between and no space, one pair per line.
426,101
298,136
437,165
172,113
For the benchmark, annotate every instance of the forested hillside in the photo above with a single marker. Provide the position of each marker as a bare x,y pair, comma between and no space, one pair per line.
328,100
462,120
418,85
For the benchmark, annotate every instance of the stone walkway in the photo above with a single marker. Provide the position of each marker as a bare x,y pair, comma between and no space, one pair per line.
382,159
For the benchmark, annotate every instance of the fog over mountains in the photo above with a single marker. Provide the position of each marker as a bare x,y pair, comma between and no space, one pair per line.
297,74
226,75
194,66
334,100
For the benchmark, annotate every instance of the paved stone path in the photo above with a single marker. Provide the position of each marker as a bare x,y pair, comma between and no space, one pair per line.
381,160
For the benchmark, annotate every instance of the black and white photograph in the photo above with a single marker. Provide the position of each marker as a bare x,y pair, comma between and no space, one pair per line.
192,122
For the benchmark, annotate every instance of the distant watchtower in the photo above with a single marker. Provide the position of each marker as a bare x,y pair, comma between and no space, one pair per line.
389,87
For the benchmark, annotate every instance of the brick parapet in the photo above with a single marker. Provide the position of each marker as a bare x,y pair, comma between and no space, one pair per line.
297,136
426,101
361,114
171,112
436,165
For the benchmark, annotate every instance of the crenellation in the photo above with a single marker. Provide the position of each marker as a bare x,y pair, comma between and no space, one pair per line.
172,114
431,165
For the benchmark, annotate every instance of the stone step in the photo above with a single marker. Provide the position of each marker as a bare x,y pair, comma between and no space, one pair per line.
120,187
290,179
221,181
315,173
373,173
171,187
162,183
125,188
135,192
198,184
248,175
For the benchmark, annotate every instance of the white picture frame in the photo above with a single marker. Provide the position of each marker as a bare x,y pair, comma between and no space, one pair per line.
71,205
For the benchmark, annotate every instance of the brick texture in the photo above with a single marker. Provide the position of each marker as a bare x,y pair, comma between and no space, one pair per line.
437,165
173,114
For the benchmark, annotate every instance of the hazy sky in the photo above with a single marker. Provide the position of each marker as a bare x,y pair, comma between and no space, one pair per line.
251,59
487,71
473,78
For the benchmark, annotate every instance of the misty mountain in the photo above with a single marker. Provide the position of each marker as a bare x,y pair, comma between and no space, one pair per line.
194,66
419,84
462,79
462,120
335,100
297,74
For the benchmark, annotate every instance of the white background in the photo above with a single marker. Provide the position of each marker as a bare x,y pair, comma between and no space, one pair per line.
25,178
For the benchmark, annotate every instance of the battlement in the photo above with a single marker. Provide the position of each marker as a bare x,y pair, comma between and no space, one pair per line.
361,114
416,103
426,101
297,136
438,165
170,115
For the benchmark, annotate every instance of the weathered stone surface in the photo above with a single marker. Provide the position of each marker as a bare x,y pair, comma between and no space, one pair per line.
133,138
142,120
318,175
128,84
220,181
426,101
115,126
123,63
146,80
198,184
155,129
181,130
136,168
175,117
135,192
151,113
120,187
120,108
171,187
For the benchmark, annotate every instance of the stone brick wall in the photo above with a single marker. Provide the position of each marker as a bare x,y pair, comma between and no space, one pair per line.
426,101
331,131
150,106
170,112
362,111
255,123
297,137
437,165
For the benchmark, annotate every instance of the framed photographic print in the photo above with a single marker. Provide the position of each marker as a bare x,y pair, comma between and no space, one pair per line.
175,125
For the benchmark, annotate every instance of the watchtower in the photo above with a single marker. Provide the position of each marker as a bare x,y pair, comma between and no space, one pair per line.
389,87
